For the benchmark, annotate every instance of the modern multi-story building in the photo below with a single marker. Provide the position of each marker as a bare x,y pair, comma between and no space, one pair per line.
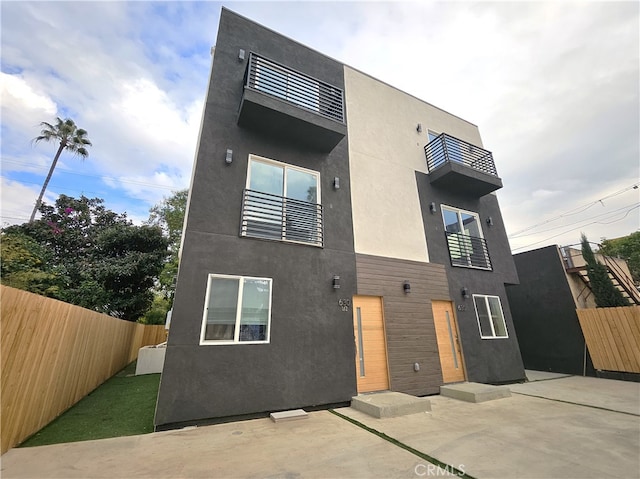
342,236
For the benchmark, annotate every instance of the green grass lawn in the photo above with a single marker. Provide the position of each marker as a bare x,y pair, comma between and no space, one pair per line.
122,406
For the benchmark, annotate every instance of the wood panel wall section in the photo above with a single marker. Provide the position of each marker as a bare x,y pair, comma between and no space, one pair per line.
54,354
613,337
411,336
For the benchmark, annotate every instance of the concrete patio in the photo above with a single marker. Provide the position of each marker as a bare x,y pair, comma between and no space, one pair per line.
568,427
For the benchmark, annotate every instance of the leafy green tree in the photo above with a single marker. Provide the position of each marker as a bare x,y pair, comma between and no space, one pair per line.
70,138
158,312
125,262
100,259
605,293
627,248
25,265
169,215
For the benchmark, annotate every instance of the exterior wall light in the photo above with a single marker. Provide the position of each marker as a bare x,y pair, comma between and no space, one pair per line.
241,55
336,282
336,183
229,157
432,207
419,128
465,293
406,286
490,221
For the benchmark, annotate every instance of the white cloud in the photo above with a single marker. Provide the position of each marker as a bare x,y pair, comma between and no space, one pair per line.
553,87
17,94
18,200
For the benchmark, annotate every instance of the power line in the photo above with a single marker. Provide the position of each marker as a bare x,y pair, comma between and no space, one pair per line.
577,210
582,226
53,186
571,224
102,177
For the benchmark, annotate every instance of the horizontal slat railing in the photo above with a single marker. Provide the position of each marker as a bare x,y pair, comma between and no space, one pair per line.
468,251
297,88
445,148
275,217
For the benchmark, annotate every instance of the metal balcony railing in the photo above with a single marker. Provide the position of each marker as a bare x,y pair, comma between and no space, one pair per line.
293,87
445,148
278,218
468,251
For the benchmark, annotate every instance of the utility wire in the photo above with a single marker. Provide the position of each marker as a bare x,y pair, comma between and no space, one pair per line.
571,224
102,177
579,227
577,210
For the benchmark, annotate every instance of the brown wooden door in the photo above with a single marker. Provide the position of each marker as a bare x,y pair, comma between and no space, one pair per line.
371,347
448,342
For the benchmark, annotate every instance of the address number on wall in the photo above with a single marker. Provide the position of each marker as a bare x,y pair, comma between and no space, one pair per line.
344,304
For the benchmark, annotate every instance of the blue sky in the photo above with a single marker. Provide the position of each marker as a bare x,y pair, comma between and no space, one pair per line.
553,87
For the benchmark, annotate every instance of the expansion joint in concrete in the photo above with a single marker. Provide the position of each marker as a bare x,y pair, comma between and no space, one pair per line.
578,404
406,447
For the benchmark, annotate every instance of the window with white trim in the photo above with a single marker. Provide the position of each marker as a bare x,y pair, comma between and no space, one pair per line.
490,317
237,310
282,202
467,247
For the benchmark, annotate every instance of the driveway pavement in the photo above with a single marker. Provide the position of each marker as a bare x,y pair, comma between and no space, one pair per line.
563,426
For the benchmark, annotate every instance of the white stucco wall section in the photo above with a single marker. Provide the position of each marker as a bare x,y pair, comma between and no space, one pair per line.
385,151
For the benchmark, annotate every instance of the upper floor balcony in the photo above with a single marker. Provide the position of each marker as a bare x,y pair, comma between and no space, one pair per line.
457,165
283,102
279,218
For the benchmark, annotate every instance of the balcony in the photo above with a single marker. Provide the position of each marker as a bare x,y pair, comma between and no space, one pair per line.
278,218
284,103
457,165
468,251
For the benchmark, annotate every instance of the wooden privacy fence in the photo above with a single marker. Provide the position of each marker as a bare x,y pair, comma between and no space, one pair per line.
613,337
53,354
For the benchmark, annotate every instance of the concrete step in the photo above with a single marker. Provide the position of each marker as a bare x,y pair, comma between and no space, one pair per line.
291,415
390,404
475,392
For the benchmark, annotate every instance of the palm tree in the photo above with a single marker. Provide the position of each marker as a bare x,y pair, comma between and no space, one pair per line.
71,138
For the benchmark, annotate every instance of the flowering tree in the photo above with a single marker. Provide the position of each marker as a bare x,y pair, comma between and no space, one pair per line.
99,259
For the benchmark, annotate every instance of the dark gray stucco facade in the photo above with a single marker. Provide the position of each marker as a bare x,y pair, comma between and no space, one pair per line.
309,360
491,361
544,314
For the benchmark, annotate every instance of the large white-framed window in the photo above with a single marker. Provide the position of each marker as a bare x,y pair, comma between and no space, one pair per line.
282,202
237,310
490,317
467,247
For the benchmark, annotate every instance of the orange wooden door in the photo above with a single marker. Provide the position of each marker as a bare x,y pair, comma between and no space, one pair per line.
448,342
371,348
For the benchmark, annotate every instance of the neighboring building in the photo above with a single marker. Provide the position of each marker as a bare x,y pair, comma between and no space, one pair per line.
553,284
326,250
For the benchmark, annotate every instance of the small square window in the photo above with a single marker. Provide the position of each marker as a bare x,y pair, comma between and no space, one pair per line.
237,310
490,317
